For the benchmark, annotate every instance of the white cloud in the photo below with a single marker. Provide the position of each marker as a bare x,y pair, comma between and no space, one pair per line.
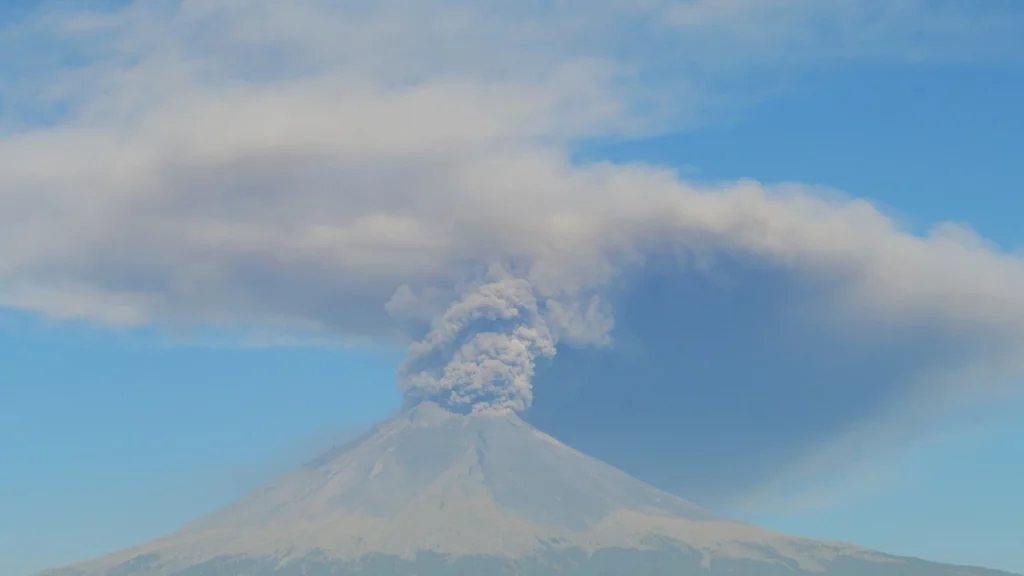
788,30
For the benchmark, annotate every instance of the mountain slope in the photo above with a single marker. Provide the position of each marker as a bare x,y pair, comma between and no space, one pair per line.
433,492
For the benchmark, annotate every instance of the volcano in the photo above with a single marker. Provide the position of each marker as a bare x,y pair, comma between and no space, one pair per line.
435,493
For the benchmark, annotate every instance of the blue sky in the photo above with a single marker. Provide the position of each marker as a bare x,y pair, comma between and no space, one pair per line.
930,144
113,435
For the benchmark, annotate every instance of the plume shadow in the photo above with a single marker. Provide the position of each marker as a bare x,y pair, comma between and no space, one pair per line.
722,378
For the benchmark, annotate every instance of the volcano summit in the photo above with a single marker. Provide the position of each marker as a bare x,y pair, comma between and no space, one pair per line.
435,493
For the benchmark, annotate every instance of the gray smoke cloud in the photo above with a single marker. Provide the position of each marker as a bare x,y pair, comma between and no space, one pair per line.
487,344
481,353
280,167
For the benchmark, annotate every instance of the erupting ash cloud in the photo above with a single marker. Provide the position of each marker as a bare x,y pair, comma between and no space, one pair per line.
280,166
480,354
482,351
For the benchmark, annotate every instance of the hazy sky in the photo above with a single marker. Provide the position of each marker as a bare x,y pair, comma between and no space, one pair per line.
223,223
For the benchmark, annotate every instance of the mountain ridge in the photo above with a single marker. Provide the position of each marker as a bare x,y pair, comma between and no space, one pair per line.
432,491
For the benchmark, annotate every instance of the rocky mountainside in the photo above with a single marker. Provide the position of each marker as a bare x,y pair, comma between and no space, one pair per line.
434,493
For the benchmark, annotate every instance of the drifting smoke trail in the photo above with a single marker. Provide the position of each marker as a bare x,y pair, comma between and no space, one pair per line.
481,353
300,197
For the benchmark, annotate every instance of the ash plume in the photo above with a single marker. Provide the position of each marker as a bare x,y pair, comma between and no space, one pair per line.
280,167
481,352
